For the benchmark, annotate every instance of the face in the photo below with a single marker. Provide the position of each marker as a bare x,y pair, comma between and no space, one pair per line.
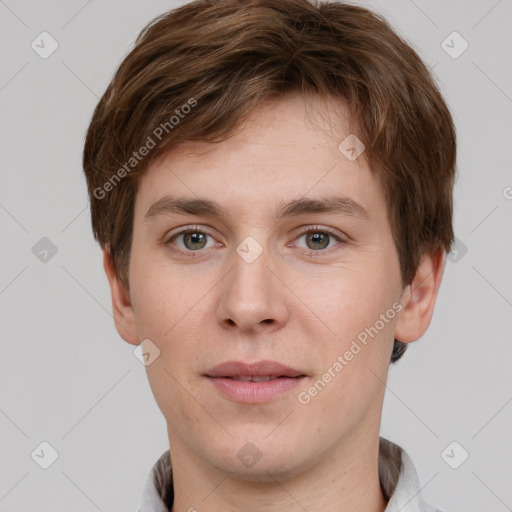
315,289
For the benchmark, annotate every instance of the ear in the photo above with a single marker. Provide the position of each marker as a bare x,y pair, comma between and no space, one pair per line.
122,309
419,298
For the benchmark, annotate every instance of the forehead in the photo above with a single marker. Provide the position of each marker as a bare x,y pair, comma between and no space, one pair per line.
279,128
286,150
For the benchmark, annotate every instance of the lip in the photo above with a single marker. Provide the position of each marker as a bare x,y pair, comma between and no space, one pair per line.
285,379
260,368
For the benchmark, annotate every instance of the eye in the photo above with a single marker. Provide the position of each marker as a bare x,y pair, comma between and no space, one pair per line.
318,238
192,240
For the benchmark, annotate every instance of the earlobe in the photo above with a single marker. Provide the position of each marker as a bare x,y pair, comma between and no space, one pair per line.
122,309
419,298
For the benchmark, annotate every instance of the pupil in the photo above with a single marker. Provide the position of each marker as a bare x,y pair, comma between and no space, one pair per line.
317,239
195,239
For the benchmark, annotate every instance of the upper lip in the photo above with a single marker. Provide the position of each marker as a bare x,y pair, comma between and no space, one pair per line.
260,368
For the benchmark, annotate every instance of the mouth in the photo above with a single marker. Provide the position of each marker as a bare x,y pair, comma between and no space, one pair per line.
255,372
254,382
258,378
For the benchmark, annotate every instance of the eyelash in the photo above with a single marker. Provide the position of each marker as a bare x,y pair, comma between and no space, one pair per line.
195,229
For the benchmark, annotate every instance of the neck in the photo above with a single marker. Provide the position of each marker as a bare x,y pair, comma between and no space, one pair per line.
346,475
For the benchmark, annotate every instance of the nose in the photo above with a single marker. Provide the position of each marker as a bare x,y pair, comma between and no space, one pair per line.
253,297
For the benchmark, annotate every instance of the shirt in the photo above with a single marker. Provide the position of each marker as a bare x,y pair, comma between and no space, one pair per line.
398,480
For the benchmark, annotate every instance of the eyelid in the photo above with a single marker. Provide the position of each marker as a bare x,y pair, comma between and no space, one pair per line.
322,229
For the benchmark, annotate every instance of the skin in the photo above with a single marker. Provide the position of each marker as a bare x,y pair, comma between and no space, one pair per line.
298,303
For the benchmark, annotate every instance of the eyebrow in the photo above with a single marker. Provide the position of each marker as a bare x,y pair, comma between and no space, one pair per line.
336,205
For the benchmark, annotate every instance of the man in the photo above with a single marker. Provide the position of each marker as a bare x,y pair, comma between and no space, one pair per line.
271,184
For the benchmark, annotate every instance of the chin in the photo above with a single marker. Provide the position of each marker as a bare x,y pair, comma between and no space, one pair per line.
261,461
263,471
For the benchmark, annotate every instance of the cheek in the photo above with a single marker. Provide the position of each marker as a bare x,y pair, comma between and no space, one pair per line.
163,299
167,307
345,302
174,394
358,322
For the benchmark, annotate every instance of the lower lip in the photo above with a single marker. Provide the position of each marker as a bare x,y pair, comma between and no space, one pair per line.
254,392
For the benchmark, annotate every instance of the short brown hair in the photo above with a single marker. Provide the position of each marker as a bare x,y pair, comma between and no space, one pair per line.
223,58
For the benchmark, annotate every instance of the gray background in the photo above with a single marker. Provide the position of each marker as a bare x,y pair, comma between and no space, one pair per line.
67,378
